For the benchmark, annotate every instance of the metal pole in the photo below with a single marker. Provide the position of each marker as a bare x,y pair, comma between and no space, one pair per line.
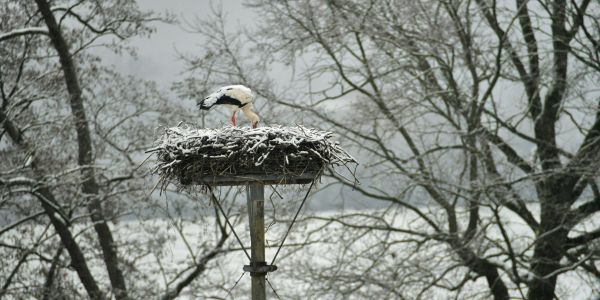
256,215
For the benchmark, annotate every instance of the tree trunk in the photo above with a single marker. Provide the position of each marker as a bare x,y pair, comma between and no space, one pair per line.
554,191
546,260
548,251
85,160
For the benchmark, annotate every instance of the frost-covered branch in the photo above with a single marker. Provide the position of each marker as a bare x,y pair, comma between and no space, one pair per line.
23,31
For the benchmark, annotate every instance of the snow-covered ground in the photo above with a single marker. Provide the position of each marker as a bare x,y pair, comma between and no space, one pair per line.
331,260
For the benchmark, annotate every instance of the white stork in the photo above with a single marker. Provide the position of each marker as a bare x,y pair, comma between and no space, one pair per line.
235,97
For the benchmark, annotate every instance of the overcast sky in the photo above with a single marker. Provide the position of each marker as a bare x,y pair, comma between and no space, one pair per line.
157,55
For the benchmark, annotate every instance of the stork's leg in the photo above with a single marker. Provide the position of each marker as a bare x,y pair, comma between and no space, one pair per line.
233,119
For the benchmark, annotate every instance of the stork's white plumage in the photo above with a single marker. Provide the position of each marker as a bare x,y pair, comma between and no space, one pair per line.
235,97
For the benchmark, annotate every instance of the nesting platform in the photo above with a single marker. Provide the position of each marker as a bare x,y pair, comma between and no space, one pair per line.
189,155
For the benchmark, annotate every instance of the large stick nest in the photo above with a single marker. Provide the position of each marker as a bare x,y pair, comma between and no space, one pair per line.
187,154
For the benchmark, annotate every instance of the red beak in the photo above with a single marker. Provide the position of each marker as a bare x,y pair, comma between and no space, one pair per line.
254,125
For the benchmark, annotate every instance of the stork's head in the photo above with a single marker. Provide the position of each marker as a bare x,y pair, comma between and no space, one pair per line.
251,115
255,123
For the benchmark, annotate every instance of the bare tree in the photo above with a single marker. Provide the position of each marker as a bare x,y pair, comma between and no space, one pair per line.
72,136
478,121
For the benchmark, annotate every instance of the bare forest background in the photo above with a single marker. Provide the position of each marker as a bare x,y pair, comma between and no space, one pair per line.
476,123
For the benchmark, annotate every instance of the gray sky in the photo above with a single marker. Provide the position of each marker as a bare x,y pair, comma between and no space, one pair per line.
157,56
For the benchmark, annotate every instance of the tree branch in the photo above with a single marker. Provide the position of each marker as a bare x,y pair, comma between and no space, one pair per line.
199,268
21,32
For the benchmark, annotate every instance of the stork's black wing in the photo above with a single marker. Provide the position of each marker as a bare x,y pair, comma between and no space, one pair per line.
228,100
218,98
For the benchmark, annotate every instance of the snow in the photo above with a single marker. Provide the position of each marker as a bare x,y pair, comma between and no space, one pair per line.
23,31
244,150
19,180
175,250
58,217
